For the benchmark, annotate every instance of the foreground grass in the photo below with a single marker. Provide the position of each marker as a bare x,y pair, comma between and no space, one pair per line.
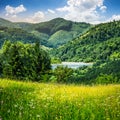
33,101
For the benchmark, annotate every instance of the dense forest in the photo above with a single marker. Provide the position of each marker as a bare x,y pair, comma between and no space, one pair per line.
23,57
99,43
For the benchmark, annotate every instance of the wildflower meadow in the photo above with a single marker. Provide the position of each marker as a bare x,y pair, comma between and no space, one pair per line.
40,101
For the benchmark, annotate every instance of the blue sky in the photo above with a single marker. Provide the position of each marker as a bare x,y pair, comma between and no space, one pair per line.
34,11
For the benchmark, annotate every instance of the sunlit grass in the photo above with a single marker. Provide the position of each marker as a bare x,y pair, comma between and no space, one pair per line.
39,101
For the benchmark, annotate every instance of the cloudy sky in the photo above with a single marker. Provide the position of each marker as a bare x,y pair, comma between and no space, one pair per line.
34,11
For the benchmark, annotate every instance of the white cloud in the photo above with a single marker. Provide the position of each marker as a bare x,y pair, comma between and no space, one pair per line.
103,8
114,17
76,10
83,10
51,11
13,11
37,17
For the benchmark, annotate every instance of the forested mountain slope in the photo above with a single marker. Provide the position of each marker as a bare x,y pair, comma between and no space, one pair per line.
6,23
99,43
52,33
16,34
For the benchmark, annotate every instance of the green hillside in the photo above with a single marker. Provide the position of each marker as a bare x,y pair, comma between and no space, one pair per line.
99,43
49,32
59,38
16,34
6,23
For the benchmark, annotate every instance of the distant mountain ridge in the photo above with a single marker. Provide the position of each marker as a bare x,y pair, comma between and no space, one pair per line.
53,33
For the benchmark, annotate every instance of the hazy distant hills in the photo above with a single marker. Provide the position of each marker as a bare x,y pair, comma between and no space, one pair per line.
101,42
6,23
53,33
16,34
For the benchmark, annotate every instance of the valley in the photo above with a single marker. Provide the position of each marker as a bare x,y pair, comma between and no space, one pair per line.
59,70
64,41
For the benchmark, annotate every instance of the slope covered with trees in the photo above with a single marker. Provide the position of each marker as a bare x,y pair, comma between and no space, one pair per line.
6,23
16,34
99,43
49,32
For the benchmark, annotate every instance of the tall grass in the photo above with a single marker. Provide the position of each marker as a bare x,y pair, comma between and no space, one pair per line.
38,101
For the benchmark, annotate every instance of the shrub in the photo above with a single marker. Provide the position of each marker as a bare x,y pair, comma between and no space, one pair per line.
23,61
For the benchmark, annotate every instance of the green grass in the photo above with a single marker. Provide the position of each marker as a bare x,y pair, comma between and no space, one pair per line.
38,101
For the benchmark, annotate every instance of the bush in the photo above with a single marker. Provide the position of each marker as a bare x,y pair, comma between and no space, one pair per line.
106,79
63,74
23,61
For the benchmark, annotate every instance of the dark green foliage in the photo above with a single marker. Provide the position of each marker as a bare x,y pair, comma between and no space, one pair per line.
23,61
103,72
63,74
99,43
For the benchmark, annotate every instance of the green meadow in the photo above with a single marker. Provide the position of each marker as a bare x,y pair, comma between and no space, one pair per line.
47,101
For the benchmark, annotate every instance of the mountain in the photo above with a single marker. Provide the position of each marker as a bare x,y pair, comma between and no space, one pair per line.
4,22
53,33
9,24
101,42
16,34
60,31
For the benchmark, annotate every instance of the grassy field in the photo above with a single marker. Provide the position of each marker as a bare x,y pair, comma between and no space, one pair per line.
38,101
